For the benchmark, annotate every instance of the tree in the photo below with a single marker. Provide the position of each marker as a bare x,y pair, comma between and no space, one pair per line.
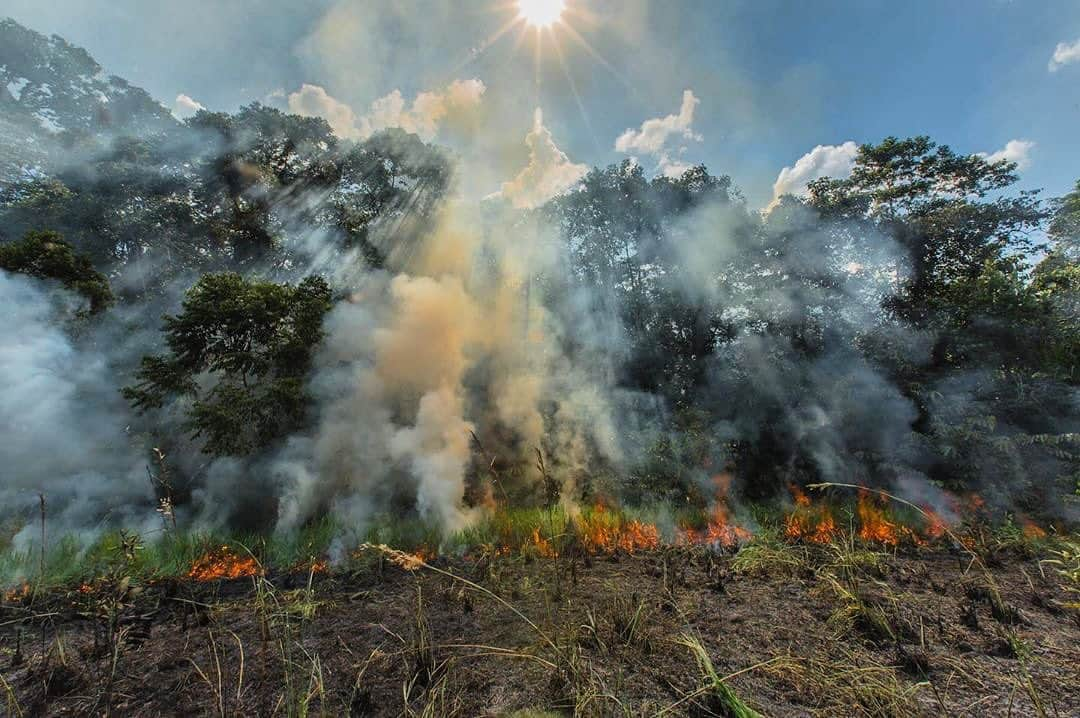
46,255
261,158
1057,280
937,204
993,409
239,351
1064,228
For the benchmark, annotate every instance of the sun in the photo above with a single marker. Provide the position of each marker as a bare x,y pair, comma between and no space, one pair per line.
541,13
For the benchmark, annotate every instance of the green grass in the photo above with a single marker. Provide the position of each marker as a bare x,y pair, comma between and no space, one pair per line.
71,560
512,532
768,553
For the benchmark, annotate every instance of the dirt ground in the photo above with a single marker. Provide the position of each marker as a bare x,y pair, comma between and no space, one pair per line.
918,634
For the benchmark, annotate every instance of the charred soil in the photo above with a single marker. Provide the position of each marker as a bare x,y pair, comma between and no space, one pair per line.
808,631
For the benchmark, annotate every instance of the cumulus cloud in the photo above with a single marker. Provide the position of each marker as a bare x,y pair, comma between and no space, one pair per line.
314,101
834,161
655,137
1064,54
549,172
428,111
654,134
185,107
1018,151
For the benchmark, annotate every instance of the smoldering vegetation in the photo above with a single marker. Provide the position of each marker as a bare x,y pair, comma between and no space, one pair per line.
348,336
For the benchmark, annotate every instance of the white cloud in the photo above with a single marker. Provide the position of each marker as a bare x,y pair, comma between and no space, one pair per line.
185,107
1018,151
314,101
655,137
427,113
652,138
837,161
1064,54
834,161
671,167
549,172
429,110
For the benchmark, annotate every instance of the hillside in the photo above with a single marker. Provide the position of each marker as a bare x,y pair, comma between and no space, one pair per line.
53,93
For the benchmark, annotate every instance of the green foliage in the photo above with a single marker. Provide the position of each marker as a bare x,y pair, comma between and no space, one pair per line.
937,203
46,255
240,349
1065,226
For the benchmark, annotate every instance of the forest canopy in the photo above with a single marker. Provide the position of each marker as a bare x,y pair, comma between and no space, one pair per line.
326,319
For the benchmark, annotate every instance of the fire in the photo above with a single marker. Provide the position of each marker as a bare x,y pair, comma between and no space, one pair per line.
874,527
1031,529
315,565
638,536
809,522
720,531
606,532
17,594
801,499
542,545
935,525
221,563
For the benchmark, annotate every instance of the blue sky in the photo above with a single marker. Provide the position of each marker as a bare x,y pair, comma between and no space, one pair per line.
772,79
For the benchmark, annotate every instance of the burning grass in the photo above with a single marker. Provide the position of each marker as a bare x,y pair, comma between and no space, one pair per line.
223,563
864,633
599,529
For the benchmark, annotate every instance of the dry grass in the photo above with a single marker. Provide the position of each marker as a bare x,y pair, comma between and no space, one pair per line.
767,554
715,696
849,685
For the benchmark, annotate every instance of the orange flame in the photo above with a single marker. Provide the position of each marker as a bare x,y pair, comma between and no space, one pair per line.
17,594
221,563
935,525
314,565
874,526
602,531
801,499
542,545
720,531
809,522
1031,529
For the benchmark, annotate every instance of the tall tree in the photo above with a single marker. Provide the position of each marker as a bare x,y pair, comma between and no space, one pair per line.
238,352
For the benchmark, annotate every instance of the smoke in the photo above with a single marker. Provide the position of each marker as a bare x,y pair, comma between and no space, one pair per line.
185,107
474,326
455,344
314,101
457,104
64,424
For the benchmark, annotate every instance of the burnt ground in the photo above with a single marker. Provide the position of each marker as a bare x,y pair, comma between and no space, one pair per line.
805,632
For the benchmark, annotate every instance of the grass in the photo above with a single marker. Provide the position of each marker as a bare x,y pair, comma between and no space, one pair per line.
624,629
719,698
768,554
850,685
517,532
1066,563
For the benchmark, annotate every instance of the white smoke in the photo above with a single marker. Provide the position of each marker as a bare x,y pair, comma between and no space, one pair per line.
456,104
62,418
